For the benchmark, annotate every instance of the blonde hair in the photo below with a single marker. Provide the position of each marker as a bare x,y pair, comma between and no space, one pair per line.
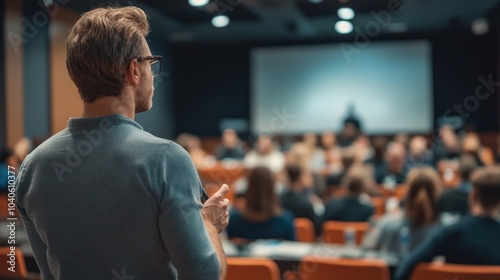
424,187
100,46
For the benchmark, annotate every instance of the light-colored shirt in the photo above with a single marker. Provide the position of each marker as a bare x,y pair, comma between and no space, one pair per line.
103,199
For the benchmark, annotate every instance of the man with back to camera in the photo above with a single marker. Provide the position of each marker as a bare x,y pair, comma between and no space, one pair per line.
474,239
103,199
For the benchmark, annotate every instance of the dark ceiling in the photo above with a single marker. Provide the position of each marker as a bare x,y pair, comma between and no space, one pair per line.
267,20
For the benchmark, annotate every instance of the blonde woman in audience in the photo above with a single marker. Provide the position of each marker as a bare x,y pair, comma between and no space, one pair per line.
262,216
419,217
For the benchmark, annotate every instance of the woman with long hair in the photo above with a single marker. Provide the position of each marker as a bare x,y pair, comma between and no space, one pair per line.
420,214
262,216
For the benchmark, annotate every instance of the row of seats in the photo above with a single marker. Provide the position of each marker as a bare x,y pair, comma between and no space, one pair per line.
314,268
332,232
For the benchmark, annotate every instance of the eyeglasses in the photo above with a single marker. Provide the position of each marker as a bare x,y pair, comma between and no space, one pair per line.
155,62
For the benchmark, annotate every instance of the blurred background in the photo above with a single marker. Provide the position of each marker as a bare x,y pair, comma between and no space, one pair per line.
399,66
296,104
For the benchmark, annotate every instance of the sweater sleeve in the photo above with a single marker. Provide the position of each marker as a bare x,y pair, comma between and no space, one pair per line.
180,221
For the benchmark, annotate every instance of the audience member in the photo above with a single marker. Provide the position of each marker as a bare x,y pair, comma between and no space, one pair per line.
350,132
333,153
377,163
296,197
456,200
471,145
348,160
265,154
395,159
474,239
316,154
262,216
418,154
192,145
231,147
355,206
420,214
449,145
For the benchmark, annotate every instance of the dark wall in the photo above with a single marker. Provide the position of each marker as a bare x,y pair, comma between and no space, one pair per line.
459,62
36,71
212,82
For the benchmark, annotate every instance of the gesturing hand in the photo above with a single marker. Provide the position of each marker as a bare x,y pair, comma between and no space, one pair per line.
215,211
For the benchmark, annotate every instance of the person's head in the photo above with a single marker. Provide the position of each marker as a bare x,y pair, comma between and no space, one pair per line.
328,140
351,128
485,195
107,55
299,155
395,157
294,174
261,200
466,165
7,157
424,188
471,143
229,138
356,180
265,144
379,147
418,146
311,140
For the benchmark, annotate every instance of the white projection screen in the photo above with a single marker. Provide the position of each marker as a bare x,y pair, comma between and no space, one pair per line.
298,89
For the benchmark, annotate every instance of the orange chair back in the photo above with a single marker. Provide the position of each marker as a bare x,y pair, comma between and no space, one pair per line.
334,232
314,268
440,271
251,269
379,204
304,229
20,265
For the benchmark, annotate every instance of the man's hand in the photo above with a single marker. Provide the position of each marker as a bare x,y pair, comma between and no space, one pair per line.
215,209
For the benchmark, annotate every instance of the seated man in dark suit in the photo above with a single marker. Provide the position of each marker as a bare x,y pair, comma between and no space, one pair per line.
473,240
456,200
296,198
356,205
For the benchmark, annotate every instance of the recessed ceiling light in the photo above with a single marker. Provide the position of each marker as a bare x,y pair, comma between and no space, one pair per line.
343,27
316,1
198,3
480,26
345,13
220,21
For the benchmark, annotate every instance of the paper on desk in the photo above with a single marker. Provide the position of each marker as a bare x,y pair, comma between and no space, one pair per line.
283,249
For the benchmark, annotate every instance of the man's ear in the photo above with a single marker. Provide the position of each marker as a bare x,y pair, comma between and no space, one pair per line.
132,72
